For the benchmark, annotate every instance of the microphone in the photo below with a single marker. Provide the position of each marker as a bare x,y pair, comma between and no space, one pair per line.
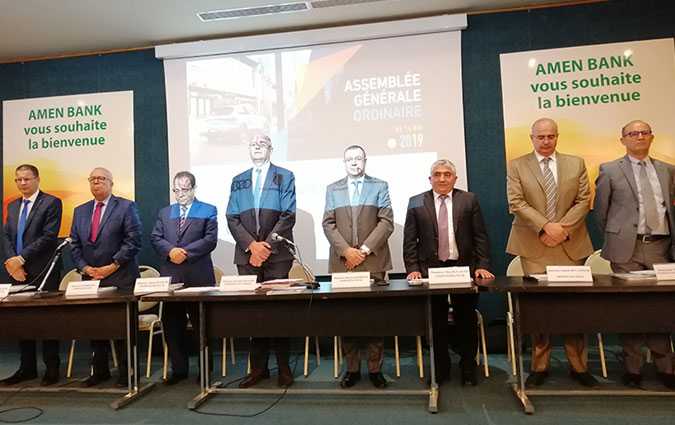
278,238
65,242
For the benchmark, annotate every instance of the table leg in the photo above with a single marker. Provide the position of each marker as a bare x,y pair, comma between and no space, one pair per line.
203,363
433,387
519,386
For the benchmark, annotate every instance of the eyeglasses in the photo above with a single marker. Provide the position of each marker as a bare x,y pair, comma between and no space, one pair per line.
543,137
354,158
23,179
636,134
261,145
93,179
179,191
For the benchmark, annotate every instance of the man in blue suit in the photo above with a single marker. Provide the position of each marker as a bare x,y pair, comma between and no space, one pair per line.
262,202
106,239
29,240
184,236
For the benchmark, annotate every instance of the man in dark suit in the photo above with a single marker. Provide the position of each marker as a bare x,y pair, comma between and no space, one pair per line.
634,206
29,240
184,236
444,228
106,239
357,222
262,202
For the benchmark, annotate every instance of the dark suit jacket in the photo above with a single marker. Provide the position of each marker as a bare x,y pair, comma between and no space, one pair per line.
276,213
119,239
198,237
420,233
39,237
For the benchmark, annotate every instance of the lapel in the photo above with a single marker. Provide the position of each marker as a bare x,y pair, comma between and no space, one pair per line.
533,165
341,197
430,207
456,200
33,210
366,188
664,180
248,194
112,204
562,170
267,184
627,168
86,220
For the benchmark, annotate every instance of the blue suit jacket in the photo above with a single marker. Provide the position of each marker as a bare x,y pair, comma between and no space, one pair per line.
275,215
39,236
119,239
198,237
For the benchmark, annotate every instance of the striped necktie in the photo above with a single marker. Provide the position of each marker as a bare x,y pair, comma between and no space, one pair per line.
551,190
183,217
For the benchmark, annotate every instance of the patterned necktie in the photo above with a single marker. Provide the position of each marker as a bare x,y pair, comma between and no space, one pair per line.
648,200
551,190
21,227
96,221
356,195
257,188
443,231
183,217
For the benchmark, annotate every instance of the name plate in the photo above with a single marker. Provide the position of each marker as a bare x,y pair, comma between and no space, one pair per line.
239,283
83,288
4,290
457,276
350,280
569,274
665,272
146,285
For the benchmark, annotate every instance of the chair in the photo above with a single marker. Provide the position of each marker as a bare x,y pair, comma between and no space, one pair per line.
219,273
75,276
152,323
599,265
483,343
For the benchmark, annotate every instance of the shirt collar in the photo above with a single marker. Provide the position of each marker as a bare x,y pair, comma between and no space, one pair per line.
636,161
540,156
105,201
32,197
438,195
351,179
263,168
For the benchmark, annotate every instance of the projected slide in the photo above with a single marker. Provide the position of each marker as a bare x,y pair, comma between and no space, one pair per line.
400,98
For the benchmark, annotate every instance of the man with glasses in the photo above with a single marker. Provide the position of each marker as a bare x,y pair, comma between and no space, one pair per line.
106,238
634,207
262,203
30,238
184,236
549,197
357,222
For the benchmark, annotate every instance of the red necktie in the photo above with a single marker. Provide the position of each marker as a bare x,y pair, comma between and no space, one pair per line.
96,221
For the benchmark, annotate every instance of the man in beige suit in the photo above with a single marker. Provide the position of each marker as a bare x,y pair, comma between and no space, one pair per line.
549,197
357,222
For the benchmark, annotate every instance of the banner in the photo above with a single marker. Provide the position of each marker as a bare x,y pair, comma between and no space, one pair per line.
591,91
66,137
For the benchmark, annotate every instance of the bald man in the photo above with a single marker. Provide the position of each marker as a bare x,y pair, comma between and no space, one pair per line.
106,235
549,197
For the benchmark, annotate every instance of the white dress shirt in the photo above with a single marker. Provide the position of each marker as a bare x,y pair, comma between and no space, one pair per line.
662,228
454,251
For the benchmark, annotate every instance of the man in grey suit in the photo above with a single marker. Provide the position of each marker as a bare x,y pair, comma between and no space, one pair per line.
357,222
634,207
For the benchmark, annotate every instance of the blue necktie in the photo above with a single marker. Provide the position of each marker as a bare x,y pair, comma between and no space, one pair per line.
356,195
256,190
22,226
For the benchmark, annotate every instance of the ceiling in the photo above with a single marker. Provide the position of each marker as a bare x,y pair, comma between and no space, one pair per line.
53,28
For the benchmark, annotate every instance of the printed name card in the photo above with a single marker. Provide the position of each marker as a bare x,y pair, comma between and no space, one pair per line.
665,272
350,280
239,283
458,276
146,285
569,274
83,288
4,290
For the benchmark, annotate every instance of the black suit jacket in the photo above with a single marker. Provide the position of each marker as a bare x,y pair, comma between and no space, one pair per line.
39,237
420,233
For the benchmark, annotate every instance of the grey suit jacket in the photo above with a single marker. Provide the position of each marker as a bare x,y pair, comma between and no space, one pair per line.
616,206
370,223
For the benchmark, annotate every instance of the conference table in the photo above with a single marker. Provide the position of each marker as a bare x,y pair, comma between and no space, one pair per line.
395,309
51,315
607,305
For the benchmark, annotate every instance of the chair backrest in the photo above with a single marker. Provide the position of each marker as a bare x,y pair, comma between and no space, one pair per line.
515,268
218,273
147,271
598,264
71,276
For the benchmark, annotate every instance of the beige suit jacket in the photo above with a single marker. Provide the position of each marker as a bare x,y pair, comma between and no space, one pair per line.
527,202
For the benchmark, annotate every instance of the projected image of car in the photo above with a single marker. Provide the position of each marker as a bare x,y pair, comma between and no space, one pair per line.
234,124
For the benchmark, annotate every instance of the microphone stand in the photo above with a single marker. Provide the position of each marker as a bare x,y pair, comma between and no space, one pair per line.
40,291
310,280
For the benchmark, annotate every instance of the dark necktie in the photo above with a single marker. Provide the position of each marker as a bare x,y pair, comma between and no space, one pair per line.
96,221
21,227
183,217
443,232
